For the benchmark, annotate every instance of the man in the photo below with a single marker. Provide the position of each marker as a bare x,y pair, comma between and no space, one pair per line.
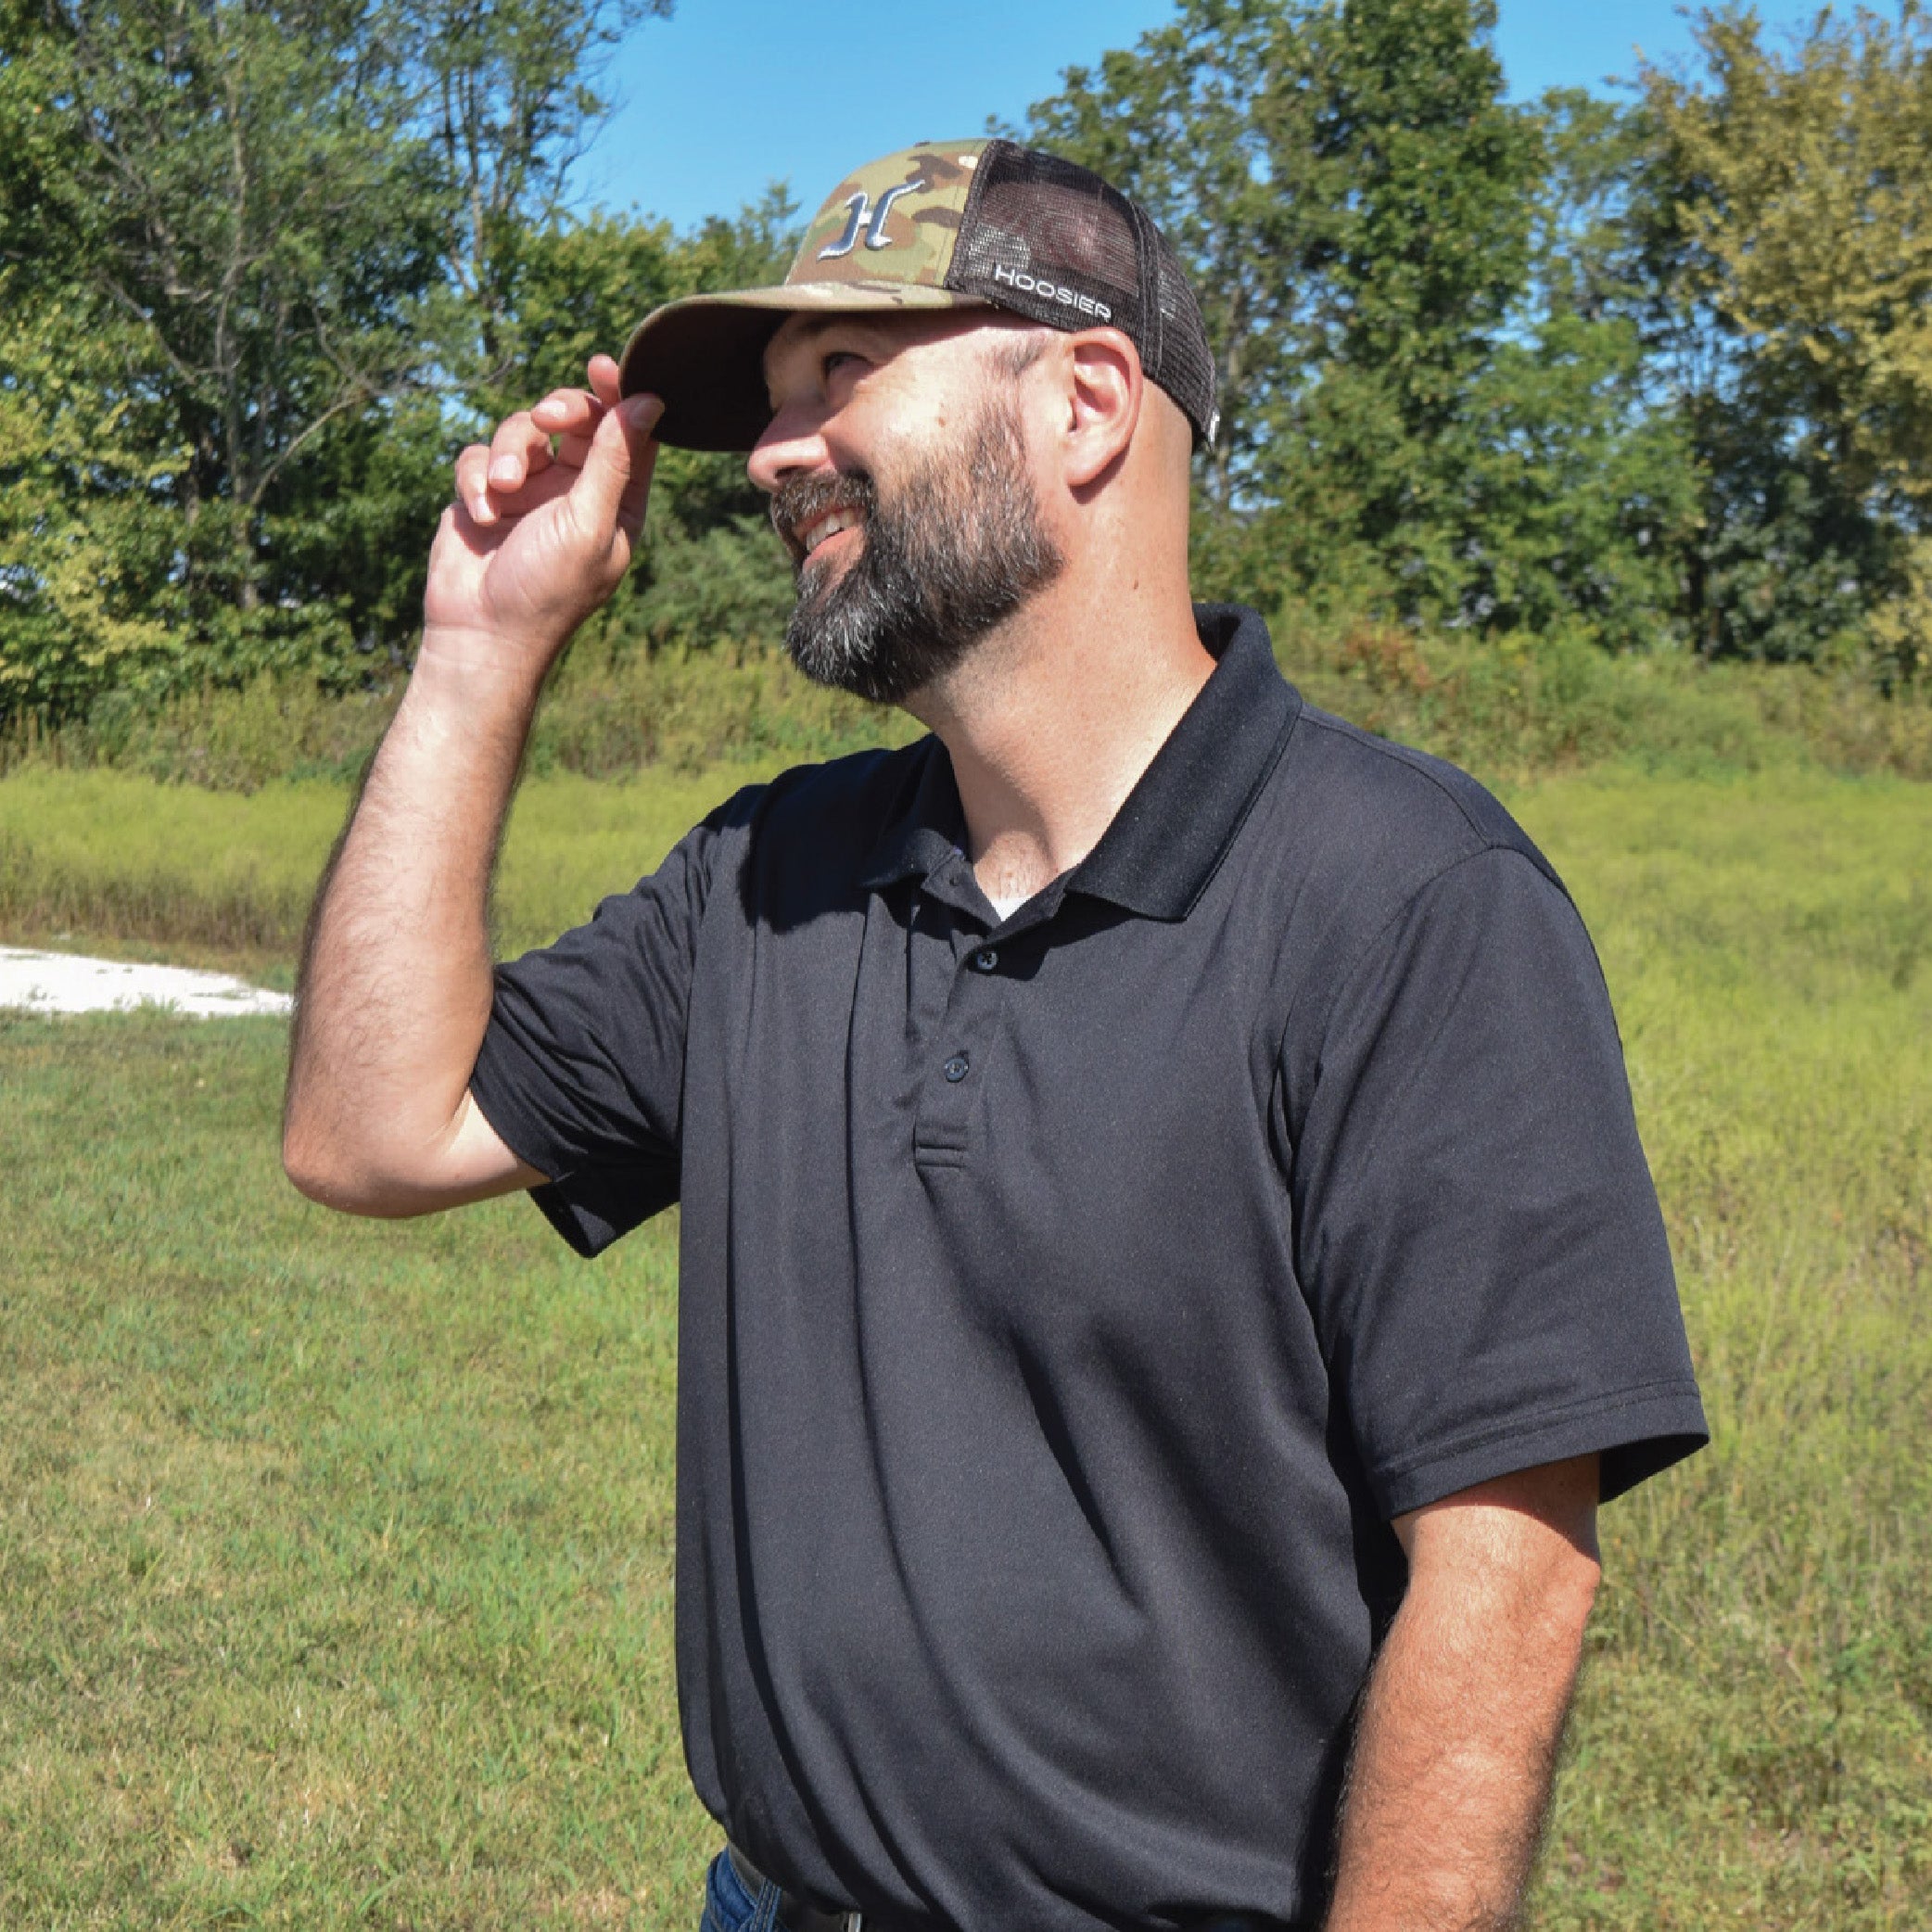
1168,1272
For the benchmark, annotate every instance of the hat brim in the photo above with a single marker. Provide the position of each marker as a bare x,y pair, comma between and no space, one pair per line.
703,354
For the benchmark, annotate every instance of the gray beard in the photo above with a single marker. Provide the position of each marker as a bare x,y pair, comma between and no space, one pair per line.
956,552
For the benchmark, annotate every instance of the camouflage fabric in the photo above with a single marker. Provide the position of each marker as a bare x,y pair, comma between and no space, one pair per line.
947,224
892,222
884,239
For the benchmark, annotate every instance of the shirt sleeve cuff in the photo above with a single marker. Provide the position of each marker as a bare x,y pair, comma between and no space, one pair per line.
590,1207
1637,1432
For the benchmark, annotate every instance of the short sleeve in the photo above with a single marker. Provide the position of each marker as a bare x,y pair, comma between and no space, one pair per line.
1476,1226
581,1071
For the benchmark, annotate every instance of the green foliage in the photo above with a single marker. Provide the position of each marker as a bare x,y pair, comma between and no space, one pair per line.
1526,703
246,246
218,242
1653,378
83,544
1522,703
730,584
1578,493
615,707
1573,500
1786,218
1426,412
506,93
1424,253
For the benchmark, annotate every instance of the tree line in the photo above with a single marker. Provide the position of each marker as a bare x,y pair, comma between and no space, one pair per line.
1657,371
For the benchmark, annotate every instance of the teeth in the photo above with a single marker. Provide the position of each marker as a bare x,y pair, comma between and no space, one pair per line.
830,525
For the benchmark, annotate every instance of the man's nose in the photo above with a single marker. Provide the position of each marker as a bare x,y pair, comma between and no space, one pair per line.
793,442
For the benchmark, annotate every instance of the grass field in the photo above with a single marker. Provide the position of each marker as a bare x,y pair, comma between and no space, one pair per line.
119,858
336,1558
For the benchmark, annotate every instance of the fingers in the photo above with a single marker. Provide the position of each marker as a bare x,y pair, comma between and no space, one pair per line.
487,476
568,413
519,449
506,506
572,438
603,372
616,479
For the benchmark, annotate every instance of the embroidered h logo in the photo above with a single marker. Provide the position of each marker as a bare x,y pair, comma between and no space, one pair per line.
869,218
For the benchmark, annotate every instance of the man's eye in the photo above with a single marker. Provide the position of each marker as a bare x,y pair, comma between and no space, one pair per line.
836,359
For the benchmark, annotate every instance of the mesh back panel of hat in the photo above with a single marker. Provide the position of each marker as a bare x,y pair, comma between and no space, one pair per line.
1046,240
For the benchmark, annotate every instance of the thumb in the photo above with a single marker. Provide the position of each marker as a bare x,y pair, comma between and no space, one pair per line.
616,473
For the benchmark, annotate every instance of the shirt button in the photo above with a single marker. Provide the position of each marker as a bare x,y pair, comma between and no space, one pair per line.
985,959
957,1068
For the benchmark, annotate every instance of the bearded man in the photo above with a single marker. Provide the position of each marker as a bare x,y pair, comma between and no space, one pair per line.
1168,1272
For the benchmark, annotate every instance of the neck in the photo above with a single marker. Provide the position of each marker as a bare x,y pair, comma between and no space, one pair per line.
1052,719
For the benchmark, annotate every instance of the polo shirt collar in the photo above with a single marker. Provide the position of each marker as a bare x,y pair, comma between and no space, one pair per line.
1170,835
926,826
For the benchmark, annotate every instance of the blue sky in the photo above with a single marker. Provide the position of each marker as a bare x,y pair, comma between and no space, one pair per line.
730,95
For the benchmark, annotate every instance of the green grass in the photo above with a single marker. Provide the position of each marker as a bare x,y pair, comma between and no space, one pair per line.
337,1556
111,855
1754,1741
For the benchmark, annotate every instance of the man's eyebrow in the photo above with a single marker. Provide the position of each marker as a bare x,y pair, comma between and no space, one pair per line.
811,329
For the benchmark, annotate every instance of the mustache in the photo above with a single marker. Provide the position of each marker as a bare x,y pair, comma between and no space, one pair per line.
800,501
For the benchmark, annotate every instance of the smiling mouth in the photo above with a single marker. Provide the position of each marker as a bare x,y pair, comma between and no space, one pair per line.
815,533
809,510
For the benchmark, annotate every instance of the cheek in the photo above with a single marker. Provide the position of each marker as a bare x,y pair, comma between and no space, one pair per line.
911,412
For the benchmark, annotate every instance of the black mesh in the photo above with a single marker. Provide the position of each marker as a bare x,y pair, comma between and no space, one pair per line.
1046,240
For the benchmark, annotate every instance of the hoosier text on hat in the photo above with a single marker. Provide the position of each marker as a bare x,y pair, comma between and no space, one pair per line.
1052,291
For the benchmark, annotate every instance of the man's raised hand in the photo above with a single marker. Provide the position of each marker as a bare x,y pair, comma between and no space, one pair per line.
396,981
542,529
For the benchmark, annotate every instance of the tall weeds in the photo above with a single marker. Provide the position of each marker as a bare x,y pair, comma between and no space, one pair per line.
1501,706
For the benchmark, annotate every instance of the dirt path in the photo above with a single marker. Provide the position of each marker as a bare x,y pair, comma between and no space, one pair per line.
68,983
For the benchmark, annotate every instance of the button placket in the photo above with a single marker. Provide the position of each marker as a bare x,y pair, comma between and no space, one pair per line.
950,1097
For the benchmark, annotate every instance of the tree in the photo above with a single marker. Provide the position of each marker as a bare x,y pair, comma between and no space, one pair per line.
249,248
1790,230
221,191
1427,251
81,550
507,90
1351,196
1579,487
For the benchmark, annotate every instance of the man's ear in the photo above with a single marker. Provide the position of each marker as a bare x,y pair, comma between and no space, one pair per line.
1105,390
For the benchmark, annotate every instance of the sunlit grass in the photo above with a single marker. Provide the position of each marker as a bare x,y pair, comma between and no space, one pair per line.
337,1557
109,855
1754,1743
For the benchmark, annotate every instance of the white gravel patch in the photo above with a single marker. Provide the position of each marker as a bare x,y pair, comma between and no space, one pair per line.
65,983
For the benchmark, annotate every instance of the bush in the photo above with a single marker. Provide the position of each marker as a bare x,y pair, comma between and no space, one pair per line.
1525,703
619,703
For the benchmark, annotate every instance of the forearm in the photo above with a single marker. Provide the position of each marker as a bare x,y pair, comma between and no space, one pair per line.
1457,1736
395,988
396,979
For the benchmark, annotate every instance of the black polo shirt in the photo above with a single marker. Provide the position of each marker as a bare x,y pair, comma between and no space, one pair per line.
1069,1301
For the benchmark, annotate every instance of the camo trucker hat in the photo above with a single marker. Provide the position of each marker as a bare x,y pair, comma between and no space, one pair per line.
947,224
